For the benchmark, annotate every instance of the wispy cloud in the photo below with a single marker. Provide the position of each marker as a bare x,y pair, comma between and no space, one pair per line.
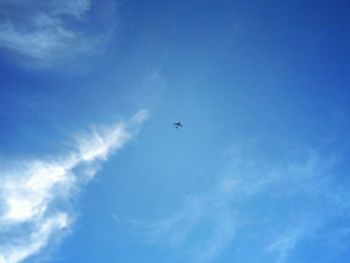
261,207
286,242
202,229
42,33
34,195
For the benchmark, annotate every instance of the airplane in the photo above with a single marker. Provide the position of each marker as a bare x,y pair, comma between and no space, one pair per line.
177,124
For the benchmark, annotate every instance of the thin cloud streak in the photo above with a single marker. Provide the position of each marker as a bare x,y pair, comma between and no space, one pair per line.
34,195
257,200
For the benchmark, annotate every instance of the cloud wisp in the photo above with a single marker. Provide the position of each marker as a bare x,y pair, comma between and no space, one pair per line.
35,195
44,33
261,208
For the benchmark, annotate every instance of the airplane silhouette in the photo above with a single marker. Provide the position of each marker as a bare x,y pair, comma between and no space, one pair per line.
177,124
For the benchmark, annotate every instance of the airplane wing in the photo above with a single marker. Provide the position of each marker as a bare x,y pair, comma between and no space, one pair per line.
177,124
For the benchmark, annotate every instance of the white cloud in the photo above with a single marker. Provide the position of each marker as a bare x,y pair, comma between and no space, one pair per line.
31,190
42,33
35,240
99,145
27,191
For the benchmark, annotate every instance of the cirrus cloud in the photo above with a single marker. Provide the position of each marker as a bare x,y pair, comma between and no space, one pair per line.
35,194
43,33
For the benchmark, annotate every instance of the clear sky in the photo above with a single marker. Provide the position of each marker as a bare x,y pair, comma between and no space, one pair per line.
92,169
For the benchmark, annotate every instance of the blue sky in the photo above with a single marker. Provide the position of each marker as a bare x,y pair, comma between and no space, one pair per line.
93,171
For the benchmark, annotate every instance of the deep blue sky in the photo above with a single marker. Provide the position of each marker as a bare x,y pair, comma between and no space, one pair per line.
259,172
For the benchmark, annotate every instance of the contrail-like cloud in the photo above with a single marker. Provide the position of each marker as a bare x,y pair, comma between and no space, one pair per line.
35,195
